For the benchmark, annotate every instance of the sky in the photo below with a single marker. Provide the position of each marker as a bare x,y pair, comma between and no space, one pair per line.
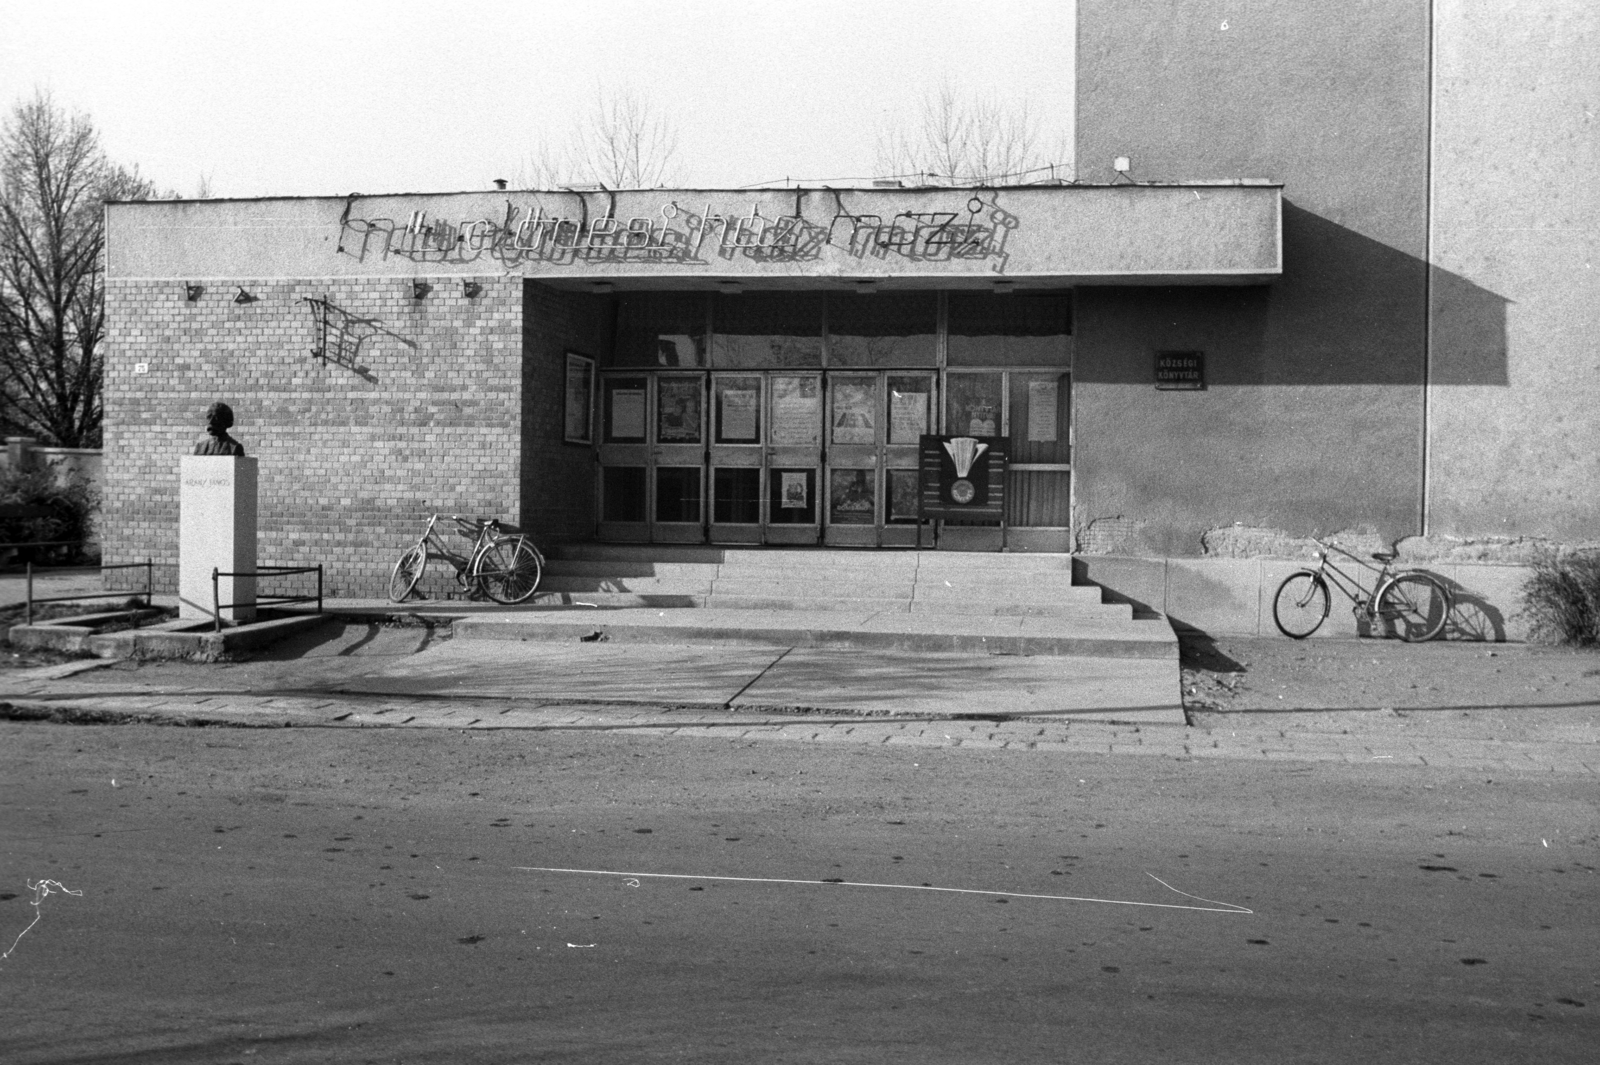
286,97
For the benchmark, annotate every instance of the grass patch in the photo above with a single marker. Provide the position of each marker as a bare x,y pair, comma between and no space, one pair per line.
1561,599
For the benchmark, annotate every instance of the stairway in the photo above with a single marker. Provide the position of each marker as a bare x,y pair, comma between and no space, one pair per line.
859,630
891,601
914,582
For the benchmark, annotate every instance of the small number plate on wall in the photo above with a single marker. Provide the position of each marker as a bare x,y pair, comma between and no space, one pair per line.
141,367
1182,371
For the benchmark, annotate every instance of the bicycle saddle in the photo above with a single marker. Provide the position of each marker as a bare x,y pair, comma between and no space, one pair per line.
1385,556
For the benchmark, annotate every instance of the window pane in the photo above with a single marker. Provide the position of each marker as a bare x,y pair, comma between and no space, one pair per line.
973,404
850,497
678,403
882,328
622,494
794,497
1040,406
767,329
1013,330
624,409
903,487
855,410
678,493
661,329
738,410
796,411
910,404
736,496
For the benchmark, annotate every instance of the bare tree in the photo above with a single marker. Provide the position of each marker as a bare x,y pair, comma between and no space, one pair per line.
54,181
621,142
966,140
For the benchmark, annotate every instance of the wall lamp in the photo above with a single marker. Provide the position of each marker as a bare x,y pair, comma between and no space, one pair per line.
420,289
191,292
730,288
602,287
243,296
471,289
1003,288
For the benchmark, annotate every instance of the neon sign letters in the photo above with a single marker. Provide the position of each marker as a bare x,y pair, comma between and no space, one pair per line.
680,235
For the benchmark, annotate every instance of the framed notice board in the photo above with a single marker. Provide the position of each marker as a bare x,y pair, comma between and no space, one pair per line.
1181,371
962,478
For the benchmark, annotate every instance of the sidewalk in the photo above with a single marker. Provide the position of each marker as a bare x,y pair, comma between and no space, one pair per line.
1382,703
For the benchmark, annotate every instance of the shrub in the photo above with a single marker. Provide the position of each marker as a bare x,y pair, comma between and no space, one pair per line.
1561,599
71,500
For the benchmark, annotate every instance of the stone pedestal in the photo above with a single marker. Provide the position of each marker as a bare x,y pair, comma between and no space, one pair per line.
216,530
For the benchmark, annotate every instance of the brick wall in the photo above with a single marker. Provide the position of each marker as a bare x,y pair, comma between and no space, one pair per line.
558,479
420,410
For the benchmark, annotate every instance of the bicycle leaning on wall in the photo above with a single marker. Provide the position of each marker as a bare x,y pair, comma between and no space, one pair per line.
502,563
1410,603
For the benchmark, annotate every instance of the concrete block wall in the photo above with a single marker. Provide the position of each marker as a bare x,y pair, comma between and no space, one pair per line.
558,478
419,410
1233,596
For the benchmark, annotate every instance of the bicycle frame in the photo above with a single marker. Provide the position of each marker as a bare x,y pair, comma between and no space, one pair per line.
434,545
1350,587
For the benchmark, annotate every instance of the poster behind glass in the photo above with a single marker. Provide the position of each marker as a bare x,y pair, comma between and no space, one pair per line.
796,411
973,404
678,401
855,411
738,410
851,498
909,401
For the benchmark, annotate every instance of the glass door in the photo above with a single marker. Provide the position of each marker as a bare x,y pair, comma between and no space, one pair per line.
910,414
855,438
624,457
793,458
678,459
737,480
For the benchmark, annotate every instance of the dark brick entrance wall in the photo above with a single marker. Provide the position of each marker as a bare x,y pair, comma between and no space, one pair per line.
420,411
558,478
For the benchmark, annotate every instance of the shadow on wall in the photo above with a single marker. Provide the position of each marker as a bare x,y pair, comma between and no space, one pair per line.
1349,310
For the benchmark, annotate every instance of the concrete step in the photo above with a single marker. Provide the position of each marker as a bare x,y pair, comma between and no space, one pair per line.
639,585
837,628
625,568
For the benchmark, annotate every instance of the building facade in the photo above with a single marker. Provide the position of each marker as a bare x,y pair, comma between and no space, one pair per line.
1324,293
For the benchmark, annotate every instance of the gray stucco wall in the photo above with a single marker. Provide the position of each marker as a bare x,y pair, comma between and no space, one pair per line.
1514,426
1312,421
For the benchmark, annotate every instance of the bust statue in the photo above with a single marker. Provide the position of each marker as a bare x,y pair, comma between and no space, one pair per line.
216,441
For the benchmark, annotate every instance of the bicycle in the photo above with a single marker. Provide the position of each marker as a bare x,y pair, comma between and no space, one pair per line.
502,564
1411,603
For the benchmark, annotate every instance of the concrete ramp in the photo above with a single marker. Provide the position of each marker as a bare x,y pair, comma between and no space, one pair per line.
843,680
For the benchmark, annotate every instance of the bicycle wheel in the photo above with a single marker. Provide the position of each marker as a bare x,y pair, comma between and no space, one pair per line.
407,572
1301,604
1414,606
508,569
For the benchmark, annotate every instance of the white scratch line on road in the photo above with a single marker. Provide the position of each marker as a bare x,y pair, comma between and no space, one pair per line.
1217,907
41,891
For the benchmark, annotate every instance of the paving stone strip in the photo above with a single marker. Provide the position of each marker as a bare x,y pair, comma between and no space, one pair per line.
46,697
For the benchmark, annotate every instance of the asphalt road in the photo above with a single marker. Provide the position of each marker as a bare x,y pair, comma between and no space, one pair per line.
294,895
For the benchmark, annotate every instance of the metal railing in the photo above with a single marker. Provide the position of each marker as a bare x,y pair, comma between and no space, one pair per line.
217,606
148,565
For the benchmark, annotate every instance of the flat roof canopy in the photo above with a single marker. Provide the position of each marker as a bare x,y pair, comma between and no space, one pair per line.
1203,233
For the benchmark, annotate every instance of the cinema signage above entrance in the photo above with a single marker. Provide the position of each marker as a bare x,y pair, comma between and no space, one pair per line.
1043,236
676,233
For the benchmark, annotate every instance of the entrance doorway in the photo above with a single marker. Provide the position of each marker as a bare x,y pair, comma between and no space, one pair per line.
763,456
